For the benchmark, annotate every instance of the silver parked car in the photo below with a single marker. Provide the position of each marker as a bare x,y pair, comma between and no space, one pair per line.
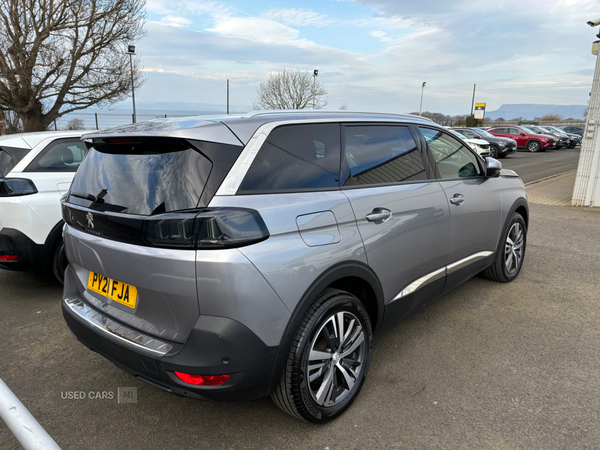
233,258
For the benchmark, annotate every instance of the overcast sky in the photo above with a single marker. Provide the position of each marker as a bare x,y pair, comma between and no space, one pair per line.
373,55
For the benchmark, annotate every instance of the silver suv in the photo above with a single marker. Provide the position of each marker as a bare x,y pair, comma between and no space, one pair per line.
232,258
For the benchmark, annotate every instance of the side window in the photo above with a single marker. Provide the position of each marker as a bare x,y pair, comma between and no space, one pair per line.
382,154
499,130
468,133
62,155
296,157
514,131
453,160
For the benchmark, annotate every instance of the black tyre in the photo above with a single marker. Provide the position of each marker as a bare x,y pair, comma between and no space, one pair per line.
534,146
511,251
59,261
328,361
494,152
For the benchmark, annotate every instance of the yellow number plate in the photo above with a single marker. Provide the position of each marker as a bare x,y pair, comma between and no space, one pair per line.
115,290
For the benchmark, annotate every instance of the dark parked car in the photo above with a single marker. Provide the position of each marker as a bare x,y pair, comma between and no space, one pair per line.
232,258
574,130
574,139
499,146
525,138
562,140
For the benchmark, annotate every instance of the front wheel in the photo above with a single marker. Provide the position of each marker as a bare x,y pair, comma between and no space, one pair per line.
511,252
329,359
494,152
534,146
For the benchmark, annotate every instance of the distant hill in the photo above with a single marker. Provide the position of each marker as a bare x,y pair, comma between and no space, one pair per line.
530,111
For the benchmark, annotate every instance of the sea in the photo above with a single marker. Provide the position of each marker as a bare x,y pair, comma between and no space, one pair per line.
104,118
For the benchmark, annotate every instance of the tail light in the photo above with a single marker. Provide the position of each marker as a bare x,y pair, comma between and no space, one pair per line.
13,187
8,257
210,229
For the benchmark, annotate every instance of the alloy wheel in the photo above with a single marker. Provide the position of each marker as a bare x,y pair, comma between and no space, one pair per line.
513,248
336,358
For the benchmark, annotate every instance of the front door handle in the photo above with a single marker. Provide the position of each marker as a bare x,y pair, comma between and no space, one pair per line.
457,200
379,215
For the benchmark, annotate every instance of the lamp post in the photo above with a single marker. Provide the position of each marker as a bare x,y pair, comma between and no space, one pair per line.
315,75
421,107
131,51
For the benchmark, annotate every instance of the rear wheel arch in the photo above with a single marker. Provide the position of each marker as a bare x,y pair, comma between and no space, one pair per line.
354,277
54,238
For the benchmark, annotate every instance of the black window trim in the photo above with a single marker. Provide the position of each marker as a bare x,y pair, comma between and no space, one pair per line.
438,176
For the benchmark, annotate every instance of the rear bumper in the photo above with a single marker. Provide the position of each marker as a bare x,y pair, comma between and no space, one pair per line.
29,254
216,346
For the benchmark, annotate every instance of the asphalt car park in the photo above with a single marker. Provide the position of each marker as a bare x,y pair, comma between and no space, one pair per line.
485,366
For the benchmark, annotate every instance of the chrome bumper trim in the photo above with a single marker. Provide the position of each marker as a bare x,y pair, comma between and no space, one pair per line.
112,329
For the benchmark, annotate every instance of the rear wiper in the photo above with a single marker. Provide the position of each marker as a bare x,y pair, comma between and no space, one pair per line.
89,197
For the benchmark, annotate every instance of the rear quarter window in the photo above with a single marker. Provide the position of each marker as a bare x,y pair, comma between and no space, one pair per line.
10,157
296,157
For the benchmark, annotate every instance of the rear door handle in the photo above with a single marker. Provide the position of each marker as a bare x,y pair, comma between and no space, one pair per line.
457,200
379,215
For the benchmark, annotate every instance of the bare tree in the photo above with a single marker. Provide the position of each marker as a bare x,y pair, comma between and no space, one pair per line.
291,89
551,118
58,56
75,124
12,123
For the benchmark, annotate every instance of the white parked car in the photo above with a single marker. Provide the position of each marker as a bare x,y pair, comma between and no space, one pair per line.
36,169
481,146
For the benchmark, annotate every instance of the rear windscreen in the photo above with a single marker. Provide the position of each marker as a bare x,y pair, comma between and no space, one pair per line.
141,178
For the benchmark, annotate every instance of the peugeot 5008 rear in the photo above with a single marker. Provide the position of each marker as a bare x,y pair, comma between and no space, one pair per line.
235,258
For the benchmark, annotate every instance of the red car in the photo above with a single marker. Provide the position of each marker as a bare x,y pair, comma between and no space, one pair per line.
525,138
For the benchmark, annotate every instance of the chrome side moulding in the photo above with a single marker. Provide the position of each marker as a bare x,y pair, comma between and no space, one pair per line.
439,273
420,282
124,335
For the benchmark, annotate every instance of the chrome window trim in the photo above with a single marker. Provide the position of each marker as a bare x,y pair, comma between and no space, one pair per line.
440,273
114,330
240,168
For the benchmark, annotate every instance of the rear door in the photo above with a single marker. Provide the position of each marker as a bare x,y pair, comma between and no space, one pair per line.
402,216
52,171
474,204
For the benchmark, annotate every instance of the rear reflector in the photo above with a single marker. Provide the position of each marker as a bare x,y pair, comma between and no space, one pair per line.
8,257
203,380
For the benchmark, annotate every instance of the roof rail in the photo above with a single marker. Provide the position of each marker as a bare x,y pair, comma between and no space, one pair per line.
324,111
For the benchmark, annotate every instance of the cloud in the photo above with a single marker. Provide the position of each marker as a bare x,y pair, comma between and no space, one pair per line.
381,35
298,17
175,21
263,30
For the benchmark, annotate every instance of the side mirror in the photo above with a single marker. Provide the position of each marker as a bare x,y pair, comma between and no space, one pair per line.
492,168
522,134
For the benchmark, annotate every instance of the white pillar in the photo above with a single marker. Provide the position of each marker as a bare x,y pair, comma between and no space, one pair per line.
587,183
